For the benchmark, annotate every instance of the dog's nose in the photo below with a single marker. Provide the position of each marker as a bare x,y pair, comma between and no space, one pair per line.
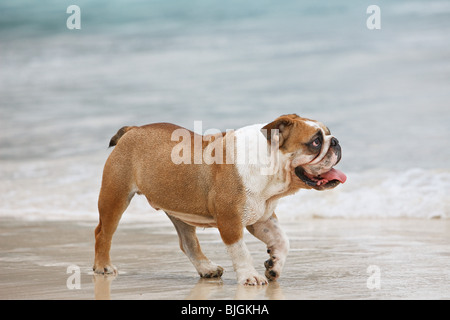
334,142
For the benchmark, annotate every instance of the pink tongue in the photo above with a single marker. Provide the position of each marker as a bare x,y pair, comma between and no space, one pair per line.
334,174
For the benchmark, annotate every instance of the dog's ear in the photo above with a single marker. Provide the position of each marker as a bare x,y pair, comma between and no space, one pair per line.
279,129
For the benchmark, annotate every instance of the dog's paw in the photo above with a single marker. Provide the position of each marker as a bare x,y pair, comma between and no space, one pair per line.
251,279
273,268
213,272
107,269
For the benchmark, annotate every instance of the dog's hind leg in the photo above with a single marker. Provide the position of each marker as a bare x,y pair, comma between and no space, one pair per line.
191,247
115,195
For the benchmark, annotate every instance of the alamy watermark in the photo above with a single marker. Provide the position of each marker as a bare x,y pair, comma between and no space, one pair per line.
220,148
74,20
373,22
74,280
374,280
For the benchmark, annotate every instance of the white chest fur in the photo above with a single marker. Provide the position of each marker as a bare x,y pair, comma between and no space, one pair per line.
254,156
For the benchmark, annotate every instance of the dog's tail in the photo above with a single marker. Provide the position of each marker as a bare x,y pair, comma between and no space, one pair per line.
119,135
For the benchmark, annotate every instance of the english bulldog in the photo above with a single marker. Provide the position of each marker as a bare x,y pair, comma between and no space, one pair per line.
253,168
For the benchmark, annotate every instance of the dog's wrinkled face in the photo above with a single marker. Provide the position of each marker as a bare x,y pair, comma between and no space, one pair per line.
312,149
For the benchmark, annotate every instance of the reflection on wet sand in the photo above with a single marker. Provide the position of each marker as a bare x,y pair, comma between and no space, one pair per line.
210,288
102,286
204,289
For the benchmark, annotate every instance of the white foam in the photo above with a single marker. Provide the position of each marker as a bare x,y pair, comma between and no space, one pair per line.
68,190
414,193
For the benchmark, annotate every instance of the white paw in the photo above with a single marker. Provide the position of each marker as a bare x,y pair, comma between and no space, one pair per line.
105,269
251,278
210,271
274,266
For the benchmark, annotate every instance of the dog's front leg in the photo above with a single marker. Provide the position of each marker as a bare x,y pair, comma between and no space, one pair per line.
232,236
270,233
243,265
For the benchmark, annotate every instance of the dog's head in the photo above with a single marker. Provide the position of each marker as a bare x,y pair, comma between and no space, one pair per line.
311,148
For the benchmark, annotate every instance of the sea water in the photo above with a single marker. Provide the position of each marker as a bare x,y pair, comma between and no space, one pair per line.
384,94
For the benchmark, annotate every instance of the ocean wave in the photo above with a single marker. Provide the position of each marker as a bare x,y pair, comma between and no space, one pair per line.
67,190
413,193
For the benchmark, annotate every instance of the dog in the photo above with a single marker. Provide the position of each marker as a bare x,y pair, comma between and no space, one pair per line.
253,168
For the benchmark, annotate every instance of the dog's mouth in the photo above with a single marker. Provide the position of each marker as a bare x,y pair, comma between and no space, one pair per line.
323,181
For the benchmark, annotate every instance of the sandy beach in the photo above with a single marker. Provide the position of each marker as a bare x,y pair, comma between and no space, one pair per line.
329,259
220,65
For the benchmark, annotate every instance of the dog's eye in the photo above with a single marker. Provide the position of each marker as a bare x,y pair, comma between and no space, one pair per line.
316,143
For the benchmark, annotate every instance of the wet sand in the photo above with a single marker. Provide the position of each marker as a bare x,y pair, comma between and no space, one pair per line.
329,259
